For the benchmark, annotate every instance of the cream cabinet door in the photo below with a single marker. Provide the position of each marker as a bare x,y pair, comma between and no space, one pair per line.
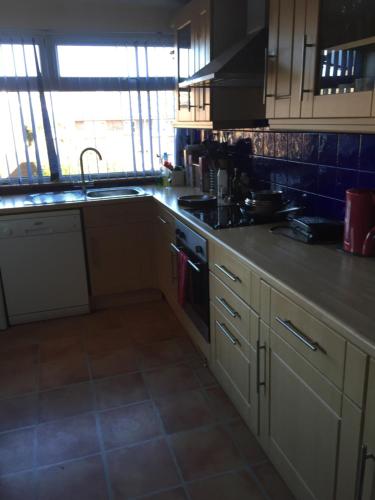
202,54
166,259
284,58
366,479
304,423
234,364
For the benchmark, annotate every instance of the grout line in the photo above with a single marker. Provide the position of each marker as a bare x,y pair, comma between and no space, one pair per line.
169,445
99,431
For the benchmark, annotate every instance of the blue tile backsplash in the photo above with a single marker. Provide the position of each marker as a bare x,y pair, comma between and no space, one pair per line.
313,169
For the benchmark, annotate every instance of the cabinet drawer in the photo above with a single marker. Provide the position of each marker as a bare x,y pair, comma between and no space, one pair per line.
234,310
235,275
165,220
105,215
230,334
310,337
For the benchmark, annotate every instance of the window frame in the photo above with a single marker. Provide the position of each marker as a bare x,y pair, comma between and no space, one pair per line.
53,82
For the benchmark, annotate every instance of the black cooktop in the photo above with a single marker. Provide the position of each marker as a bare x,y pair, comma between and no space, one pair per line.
224,217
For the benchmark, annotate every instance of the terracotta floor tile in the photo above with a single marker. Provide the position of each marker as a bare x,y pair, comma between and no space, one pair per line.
106,341
175,494
113,363
233,486
220,404
65,402
142,469
128,425
81,479
59,348
169,380
184,411
18,412
21,381
246,442
18,487
71,369
272,483
161,353
66,439
106,319
21,356
206,377
122,390
16,451
201,453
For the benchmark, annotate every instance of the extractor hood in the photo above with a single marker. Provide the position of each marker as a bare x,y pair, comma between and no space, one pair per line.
241,65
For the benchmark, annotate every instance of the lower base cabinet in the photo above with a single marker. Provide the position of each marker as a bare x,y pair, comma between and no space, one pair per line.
166,260
304,423
366,470
234,365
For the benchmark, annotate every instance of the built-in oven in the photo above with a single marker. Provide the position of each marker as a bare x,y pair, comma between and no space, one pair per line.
196,276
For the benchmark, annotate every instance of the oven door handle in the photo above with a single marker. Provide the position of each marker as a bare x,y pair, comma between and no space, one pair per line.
190,262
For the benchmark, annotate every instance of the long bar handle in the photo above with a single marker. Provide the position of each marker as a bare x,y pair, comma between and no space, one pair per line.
228,308
162,220
305,46
265,86
227,273
288,325
365,456
258,382
227,333
190,262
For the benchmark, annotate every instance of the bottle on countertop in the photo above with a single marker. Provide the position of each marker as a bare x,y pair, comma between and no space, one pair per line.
236,193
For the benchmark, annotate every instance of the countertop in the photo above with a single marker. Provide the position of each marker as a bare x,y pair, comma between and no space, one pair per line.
339,286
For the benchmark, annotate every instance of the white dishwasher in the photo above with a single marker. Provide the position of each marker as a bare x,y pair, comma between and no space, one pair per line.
43,268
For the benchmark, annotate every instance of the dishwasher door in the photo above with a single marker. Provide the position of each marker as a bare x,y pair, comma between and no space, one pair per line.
43,266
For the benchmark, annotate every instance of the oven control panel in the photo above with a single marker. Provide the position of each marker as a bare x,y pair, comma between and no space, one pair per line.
192,241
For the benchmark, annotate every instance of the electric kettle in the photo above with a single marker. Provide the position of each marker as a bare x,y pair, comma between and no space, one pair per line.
359,236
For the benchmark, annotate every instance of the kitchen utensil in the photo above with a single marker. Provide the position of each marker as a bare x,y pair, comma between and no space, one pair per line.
197,201
359,237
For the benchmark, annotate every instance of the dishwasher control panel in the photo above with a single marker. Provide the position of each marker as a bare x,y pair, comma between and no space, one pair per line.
40,224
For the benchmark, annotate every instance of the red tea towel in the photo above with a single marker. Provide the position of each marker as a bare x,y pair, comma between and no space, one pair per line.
182,270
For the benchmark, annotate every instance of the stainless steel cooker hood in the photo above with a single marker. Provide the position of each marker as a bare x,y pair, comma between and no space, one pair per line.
241,65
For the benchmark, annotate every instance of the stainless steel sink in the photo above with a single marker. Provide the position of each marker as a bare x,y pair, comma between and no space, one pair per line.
118,192
55,197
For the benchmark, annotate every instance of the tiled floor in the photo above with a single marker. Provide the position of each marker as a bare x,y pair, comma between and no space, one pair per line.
118,405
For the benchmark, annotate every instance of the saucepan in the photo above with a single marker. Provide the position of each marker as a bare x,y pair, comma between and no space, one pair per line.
269,203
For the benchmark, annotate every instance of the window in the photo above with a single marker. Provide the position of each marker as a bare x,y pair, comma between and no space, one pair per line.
117,97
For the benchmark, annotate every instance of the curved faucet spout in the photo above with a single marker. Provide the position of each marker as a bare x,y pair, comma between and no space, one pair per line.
83,182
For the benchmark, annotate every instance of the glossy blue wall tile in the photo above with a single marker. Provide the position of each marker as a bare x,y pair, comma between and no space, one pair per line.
328,149
314,169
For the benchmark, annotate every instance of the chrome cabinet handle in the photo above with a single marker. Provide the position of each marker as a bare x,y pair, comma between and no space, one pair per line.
266,57
365,456
228,308
288,325
258,382
190,262
227,273
227,333
303,90
162,220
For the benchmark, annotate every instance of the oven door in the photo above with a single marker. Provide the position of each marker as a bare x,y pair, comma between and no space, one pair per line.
197,292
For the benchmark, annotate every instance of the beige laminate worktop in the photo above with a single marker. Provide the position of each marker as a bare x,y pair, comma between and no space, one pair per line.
340,286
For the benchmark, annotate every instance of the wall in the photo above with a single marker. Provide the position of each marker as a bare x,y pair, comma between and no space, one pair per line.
86,15
313,169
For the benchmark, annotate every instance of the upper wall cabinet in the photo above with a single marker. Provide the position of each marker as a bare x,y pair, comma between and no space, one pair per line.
321,64
212,46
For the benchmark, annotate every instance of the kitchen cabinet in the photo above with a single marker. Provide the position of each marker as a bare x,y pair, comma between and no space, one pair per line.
304,422
234,365
166,260
321,74
119,247
366,475
204,30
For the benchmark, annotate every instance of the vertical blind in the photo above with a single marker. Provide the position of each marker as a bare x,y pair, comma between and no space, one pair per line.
58,97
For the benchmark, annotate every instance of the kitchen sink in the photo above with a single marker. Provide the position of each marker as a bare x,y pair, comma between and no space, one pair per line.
122,192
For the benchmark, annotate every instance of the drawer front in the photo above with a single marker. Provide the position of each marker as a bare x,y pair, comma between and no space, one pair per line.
118,213
310,337
165,220
231,335
234,310
231,272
